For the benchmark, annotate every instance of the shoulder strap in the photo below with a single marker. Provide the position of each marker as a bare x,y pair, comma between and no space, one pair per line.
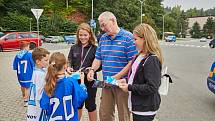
170,79
132,61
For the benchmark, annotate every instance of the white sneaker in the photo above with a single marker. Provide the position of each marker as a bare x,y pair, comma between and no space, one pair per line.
25,103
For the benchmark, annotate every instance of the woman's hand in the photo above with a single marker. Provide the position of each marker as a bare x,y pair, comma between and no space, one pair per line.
123,85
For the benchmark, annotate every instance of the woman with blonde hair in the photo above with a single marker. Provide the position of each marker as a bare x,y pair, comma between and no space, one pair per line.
81,56
145,75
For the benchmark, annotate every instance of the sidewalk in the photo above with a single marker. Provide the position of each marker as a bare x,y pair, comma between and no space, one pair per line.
11,102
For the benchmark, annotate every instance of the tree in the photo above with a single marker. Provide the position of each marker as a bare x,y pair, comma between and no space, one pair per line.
128,14
192,12
195,31
176,21
176,15
208,28
184,24
210,12
15,21
170,25
128,17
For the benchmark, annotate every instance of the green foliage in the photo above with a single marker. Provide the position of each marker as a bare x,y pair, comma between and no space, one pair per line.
195,31
56,25
176,21
192,12
17,15
209,27
53,21
128,17
15,21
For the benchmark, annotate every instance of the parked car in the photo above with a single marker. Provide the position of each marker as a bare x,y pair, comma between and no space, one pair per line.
54,39
1,34
212,43
203,39
12,40
42,38
170,38
70,39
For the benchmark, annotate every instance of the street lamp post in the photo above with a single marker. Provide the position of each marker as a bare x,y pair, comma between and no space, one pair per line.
92,10
164,24
67,4
92,22
141,13
163,28
30,24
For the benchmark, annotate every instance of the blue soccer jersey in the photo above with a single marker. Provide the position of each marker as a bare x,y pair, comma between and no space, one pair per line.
63,105
24,64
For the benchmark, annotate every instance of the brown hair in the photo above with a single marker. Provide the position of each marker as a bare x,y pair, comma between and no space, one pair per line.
151,41
38,53
85,26
24,44
57,62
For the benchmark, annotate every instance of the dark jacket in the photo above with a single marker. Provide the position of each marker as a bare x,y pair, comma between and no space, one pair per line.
144,90
74,56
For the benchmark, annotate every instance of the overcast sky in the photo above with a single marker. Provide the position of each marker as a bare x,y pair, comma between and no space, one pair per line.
186,4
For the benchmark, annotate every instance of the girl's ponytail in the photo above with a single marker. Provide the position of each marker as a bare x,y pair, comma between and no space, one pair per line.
51,79
57,62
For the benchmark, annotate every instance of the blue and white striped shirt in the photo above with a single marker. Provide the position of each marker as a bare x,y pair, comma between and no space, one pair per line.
115,53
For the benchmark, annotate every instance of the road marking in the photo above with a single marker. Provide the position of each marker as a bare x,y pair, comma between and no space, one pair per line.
184,45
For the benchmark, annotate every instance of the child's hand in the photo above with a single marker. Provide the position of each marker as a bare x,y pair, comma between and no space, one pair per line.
123,85
82,77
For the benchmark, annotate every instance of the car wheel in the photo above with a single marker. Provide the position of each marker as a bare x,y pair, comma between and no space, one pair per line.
211,45
1,49
32,46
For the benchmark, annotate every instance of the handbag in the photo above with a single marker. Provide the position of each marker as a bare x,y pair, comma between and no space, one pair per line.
165,80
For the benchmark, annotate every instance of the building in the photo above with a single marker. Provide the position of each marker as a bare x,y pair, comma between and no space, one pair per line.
200,20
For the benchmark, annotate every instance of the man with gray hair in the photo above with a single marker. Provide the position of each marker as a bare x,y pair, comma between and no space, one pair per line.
115,52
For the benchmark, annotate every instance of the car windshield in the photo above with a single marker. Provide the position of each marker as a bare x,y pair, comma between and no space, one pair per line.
33,35
1,34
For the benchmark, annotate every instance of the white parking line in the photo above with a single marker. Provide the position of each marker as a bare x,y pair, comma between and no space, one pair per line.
184,45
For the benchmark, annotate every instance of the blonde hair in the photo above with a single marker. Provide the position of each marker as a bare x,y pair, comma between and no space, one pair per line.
56,64
151,41
85,26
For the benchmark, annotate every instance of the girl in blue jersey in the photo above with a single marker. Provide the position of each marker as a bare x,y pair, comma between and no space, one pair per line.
23,64
62,95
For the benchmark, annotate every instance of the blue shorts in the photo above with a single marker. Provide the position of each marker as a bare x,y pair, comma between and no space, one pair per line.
25,84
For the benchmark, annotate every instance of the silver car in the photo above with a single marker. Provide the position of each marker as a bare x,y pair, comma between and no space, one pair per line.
54,39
